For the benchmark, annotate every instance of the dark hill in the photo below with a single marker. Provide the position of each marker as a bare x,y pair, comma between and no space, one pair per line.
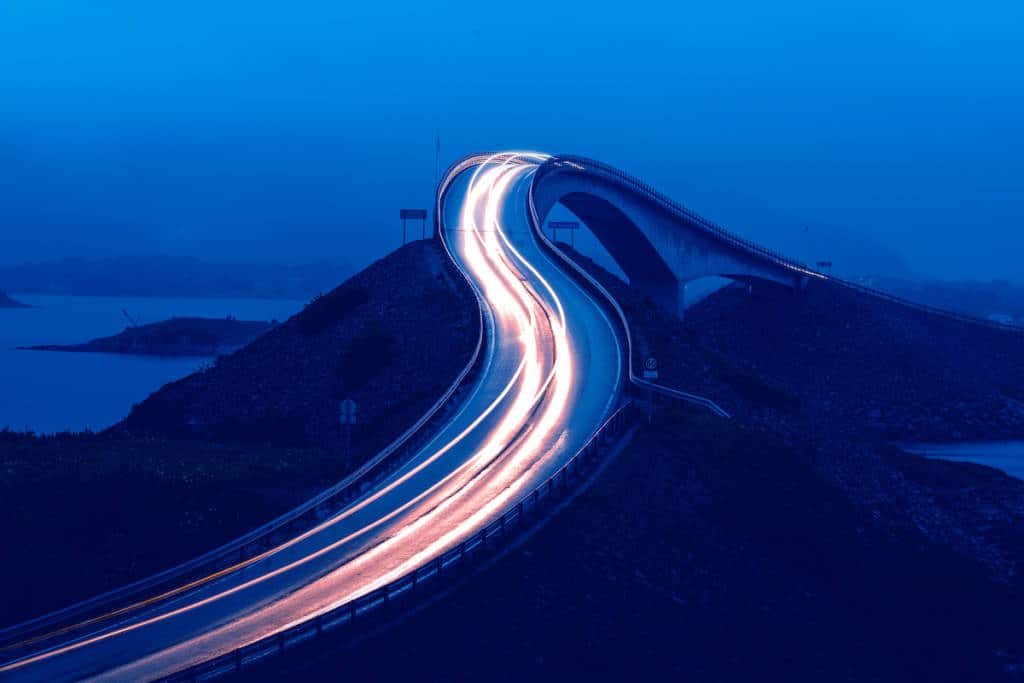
392,338
840,360
790,543
174,337
705,551
858,360
840,376
221,452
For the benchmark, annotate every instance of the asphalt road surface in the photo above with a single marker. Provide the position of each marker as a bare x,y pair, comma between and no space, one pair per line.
551,374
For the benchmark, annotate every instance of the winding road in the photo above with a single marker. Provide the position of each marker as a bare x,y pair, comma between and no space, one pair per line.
551,373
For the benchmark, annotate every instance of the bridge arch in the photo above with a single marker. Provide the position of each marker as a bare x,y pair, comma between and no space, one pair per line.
660,246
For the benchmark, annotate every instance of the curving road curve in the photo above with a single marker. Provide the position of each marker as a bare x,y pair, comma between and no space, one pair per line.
552,372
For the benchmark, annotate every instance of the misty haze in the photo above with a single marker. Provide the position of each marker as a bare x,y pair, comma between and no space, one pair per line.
511,341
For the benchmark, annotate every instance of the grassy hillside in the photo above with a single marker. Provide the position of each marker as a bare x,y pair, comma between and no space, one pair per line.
706,551
790,543
392,338
220,452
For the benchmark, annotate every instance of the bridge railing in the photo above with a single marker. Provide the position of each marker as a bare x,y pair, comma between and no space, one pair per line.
592,167
251,546
618,314
430,579
589,166
933,310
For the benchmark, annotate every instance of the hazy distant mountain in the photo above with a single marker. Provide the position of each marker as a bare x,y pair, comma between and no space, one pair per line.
173,277
8,302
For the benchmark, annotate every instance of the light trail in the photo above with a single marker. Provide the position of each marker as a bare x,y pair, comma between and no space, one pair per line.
514,427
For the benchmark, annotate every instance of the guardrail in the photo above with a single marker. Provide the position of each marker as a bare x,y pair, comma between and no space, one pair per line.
251,546
597,168
925,308
589,166
426,580
602,293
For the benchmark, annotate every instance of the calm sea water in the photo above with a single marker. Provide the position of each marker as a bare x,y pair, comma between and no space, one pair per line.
49,392
1007,456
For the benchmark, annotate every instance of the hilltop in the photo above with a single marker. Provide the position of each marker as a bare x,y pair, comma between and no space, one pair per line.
7,302
225,450
392,338
174,337
792,542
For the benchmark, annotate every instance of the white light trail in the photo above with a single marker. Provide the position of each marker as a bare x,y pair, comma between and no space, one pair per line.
529,410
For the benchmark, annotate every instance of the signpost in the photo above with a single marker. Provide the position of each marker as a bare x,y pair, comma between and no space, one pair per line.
347,415
413,215
650,368
650,372
571,226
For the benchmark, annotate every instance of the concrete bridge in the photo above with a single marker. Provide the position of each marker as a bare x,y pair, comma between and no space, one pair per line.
660,245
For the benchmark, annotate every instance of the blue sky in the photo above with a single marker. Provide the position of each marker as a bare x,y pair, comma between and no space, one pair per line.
295,131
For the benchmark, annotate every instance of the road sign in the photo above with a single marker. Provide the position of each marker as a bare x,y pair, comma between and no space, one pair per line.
571,226
650,368
413,215
348,412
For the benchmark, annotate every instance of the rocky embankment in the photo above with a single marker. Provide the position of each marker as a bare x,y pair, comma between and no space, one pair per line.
174,337
840,376
862,362
7,302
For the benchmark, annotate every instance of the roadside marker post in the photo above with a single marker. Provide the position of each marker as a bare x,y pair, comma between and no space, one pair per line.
413,215
650,368
347,415
650,372
571,226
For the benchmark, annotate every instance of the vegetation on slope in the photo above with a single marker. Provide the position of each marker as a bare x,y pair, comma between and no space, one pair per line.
392,338
790,543
706,551
223,451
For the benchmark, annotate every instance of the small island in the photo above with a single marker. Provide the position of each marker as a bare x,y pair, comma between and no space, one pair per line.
174,337
7,302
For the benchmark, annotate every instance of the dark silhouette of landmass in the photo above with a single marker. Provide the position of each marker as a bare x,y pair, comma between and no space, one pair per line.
220,452
174,337
7,302
996,299
793,542
168,276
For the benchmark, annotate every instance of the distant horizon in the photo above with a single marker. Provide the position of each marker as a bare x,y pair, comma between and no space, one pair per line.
255,131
